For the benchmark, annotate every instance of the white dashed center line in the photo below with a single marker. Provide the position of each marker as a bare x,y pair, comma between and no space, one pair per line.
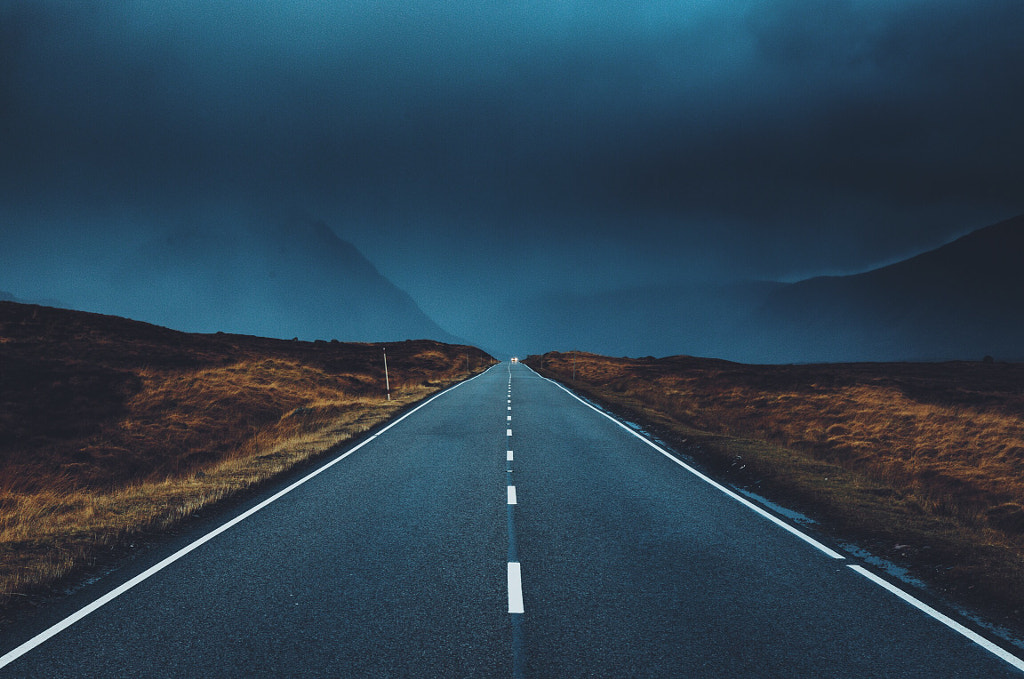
515,589
515,581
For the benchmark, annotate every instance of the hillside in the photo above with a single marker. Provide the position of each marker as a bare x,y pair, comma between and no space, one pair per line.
264,275
960,301
111,427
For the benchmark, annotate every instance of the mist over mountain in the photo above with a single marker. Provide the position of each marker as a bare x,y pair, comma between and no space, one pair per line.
960,301
279,278
534,175
701,320
294,277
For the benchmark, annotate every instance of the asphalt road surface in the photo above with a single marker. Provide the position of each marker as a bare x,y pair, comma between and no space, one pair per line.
503,529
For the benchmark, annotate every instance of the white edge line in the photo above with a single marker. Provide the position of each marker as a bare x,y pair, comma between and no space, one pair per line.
944,619
739,498
59,627
515,588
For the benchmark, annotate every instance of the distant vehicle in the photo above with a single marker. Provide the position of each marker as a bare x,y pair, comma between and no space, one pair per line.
515,359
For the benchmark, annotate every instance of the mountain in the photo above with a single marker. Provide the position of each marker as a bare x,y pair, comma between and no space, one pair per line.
8,297
272,278
703,320
960,301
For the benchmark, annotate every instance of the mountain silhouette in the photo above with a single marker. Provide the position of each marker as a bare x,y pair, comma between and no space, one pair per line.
960,301
293,278
704,320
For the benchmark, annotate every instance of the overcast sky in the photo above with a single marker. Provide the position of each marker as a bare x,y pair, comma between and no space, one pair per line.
480,150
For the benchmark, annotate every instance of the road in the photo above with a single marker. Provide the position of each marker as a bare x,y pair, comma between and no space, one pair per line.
504,528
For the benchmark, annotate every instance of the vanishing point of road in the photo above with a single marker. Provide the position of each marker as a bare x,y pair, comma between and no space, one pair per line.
504,528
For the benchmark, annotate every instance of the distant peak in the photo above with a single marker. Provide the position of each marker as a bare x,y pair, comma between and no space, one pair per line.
321,230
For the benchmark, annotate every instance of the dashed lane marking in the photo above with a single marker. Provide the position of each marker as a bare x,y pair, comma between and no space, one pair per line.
515,588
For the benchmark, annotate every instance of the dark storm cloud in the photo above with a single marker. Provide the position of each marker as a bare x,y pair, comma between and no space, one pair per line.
766,137
250,97
806,100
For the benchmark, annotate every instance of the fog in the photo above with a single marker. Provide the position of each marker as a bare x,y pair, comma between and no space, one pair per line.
479,153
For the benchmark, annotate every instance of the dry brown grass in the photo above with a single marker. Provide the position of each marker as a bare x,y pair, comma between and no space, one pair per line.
920,461
47,532
113,429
